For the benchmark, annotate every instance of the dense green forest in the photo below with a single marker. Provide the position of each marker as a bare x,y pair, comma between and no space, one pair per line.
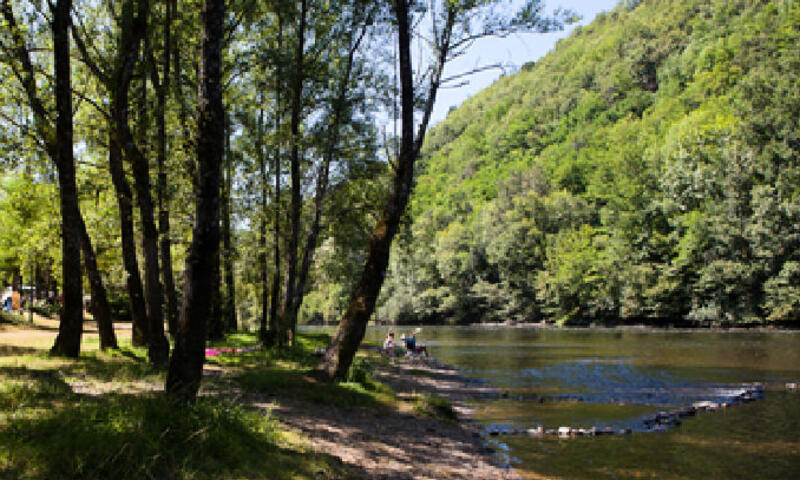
202,167
646,170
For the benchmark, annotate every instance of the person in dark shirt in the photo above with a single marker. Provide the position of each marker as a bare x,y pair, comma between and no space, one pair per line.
411,343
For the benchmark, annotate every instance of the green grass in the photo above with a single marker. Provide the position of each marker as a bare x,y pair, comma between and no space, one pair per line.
433,406
146,436
128,429
286,372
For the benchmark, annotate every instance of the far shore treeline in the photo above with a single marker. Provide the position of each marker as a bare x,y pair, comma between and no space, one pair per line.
646,171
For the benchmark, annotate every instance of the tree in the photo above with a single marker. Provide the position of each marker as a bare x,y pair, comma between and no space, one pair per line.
186,363
58,144
452,31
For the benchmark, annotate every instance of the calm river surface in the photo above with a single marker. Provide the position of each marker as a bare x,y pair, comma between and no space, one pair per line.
618,377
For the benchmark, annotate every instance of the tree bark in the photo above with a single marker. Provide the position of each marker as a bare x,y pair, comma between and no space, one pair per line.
127,54
133,282
70,329
345,342
186,364
162,188
158,346
288,326
274,324
101,310
262,227
229,306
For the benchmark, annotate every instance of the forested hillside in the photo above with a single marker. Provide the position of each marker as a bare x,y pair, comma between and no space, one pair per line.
646,170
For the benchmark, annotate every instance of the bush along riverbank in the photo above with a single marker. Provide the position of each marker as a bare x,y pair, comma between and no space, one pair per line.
259,416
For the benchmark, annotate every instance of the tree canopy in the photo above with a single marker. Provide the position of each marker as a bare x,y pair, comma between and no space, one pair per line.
644,171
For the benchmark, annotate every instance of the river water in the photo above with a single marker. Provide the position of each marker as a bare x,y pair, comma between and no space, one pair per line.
620,377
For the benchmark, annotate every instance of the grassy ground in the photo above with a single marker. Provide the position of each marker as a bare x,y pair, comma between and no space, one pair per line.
104,416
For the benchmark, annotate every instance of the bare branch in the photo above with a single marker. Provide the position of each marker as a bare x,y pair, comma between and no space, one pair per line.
485,68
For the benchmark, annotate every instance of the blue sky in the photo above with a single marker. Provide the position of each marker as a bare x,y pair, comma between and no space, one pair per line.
514,50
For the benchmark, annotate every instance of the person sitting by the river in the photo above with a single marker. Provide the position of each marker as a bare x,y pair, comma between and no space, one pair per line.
388,344
411,343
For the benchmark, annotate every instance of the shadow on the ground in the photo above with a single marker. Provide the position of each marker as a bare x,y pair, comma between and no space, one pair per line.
147,436
13,350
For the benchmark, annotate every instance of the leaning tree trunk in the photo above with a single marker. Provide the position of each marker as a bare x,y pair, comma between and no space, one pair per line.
133,282
101,310
186,364
342,349
70,329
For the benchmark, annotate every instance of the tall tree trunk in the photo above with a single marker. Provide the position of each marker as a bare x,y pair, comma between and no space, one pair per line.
273,332
287,325
229,306
342,349
186,364
162,188
70,329
127,55
158,346
262,227
101,310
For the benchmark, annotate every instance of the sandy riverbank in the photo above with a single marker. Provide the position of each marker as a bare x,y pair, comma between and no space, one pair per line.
401,444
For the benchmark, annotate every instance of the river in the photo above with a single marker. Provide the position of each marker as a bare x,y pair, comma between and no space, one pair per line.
619,378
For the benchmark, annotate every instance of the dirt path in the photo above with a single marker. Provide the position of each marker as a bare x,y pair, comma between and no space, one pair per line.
401,445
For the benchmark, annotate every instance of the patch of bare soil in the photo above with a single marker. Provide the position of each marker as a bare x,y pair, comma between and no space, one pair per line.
400,445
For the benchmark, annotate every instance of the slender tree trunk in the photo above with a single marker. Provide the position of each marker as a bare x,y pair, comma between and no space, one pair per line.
286,316
273,332
186,364
127,55
133,282
162,188
101,310
158,346
187,144
229,307
342,349
70,329
262,227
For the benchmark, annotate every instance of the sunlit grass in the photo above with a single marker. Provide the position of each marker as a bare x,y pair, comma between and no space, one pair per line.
433,406
102,415
147,436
